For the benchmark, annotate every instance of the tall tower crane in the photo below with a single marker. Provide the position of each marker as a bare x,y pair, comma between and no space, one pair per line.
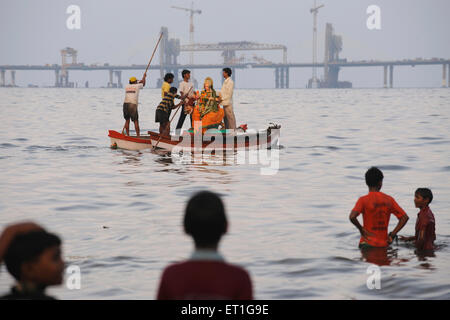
314,11
192,11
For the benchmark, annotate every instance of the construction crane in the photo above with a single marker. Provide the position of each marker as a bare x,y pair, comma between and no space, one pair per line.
314,11
192,11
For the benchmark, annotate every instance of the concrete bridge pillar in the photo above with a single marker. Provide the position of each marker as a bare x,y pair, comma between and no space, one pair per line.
110,83
277,78
3,82
282,78
391,76
13,78
444,76
287,77
66,79
57,83
119,78
448,75
385,76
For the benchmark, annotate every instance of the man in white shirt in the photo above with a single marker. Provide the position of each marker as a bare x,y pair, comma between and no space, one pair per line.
226,94
186,89
131,103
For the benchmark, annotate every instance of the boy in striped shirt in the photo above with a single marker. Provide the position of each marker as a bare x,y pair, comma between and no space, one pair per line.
164,109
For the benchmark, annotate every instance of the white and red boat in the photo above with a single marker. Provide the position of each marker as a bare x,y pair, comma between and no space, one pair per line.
211,140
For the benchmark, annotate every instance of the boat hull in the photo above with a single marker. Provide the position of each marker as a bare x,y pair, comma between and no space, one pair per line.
187,142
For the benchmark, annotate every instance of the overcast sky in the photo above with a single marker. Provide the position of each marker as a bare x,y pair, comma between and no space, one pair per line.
125,32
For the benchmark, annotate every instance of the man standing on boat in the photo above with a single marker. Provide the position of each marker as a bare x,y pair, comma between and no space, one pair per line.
226,94
130,104
186,88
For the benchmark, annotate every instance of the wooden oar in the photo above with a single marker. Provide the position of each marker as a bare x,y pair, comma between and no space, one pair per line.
178,108
154,50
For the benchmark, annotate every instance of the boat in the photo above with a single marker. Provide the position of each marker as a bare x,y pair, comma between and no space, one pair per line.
211,140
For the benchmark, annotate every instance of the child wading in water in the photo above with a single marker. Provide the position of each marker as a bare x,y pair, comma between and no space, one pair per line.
376,208
425,223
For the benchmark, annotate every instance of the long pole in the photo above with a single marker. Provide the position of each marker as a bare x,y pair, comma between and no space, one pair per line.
160,136
191,33
154,50
178,108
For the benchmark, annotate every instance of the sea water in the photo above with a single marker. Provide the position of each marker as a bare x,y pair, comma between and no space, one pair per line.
120,212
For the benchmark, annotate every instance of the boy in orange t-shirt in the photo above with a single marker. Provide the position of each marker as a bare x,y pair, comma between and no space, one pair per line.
376,208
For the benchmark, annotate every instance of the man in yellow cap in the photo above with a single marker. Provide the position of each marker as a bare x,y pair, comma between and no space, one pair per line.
131,103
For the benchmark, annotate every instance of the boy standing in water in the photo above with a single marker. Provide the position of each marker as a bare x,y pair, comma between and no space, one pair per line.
425,223
205,275
376,208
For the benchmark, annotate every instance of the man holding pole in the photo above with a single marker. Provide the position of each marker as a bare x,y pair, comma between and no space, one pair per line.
132,95
131,103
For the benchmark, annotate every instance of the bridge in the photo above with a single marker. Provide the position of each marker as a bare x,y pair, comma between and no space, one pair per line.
282,70
171,48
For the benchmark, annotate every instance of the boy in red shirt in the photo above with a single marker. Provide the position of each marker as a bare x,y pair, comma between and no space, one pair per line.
425,223
376,208
205,275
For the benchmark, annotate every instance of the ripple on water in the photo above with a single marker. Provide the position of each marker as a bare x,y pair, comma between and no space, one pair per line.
8,145
393,167
429,138
337,137
35,148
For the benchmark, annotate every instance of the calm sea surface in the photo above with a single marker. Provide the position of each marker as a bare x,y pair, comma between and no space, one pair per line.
119,212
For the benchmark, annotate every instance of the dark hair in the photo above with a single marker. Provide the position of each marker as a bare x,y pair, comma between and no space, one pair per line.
228,71
425,193
173,90
27,248
374,177
185,72
168,76
205,219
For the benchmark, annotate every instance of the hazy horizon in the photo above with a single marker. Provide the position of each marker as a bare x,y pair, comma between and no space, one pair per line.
34,32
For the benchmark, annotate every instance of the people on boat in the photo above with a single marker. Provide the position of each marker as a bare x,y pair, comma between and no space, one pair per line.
425,223
376,208
207,114
167,84
226,94
205,275
186,88
164,109
130,105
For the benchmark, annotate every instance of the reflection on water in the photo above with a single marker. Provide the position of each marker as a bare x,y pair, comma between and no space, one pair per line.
120,212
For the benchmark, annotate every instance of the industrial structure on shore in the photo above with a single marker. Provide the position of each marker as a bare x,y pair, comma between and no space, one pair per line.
170,50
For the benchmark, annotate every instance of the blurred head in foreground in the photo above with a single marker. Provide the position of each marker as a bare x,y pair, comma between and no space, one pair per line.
205,220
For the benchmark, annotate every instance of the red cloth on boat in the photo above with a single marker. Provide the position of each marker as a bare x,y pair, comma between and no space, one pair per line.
210,120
